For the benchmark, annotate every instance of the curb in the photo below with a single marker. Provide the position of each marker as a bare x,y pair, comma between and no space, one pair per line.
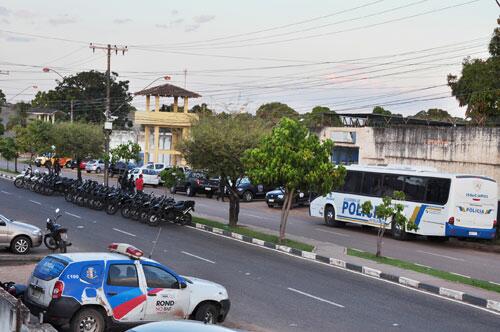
442,291
19,260
8,177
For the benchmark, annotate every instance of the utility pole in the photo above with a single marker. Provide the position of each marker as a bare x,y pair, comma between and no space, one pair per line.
185,78
108,124
71,111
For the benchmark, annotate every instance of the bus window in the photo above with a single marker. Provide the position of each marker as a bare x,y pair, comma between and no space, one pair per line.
392,183
437,191
372,184
415,188
352,182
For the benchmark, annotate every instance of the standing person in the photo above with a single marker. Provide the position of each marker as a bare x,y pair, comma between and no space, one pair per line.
220,192
139,184
57,167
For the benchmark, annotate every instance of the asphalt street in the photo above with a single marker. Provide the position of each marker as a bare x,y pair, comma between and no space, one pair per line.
270,291
445,256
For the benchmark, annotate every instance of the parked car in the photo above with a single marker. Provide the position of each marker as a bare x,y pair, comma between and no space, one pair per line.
248,191
82,165
120,167
95,166
150,176
196,182
179,326
275,198
18,236
156,166
103,290
50,159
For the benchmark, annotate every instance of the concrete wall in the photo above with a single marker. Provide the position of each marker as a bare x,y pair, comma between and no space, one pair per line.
471,150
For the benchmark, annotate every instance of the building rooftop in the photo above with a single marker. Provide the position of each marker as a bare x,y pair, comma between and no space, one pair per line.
379,120
42,110
167,90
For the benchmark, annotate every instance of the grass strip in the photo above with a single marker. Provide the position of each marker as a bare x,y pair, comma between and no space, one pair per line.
8,171
255,234
426,270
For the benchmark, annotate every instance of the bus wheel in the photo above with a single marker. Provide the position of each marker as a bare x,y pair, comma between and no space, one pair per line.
398,232
330,219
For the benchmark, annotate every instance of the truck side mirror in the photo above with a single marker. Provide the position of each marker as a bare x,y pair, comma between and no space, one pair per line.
182,285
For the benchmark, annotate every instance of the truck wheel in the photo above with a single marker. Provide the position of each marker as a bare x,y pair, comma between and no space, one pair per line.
207,313
87,319
68,164
398,232
21,245
330,219
97,170
190,192
247,196
172,190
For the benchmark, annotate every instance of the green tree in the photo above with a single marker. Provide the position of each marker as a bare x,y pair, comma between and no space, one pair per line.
20,116
35,138
381,111
273,112
8,150
171,176
126,152
78,140
88,91
388,213
435,114
217,144
2,99
320,117
478,87
293,157
201,110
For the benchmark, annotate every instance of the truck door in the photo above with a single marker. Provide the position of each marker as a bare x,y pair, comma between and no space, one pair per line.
121,288
165,299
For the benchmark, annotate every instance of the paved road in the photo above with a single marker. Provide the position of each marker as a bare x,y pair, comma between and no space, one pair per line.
445,256
269,291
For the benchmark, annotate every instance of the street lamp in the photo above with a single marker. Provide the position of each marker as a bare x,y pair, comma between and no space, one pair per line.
47,69
26,88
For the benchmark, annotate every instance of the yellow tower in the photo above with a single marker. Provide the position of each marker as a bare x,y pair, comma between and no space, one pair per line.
163,130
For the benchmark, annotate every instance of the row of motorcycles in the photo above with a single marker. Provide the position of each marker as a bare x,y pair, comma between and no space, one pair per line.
140,206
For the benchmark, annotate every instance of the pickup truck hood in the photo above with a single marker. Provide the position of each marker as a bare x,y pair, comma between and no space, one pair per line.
203,286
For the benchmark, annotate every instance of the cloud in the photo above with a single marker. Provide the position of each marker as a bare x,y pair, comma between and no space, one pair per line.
122,20
203,18
191,27
63,19
162,26
170,25
174,12
4,11
15,39
25,14
5,21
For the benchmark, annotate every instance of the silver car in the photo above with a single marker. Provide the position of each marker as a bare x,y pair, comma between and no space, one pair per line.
94,166
18,236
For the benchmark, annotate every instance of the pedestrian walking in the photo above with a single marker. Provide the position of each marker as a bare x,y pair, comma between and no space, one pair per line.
139,184
57,167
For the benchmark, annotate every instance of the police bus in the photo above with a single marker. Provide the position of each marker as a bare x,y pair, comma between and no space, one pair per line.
442,205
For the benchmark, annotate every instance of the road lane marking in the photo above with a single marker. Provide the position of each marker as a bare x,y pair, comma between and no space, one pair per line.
494,283
331,232
195,256
315,297
460,275
253,216
73,215
422,265
439,255
35,202
127,233
6,192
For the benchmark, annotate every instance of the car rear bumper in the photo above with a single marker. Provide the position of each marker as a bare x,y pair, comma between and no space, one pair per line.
479,233
225,305
58,313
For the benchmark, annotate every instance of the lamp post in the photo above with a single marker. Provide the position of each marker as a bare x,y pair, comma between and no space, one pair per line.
47,70
26,88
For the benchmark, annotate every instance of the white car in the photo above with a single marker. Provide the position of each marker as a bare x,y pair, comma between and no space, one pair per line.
150,176
95,166
103,290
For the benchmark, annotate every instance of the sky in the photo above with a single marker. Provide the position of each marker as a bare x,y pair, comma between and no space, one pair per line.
346,55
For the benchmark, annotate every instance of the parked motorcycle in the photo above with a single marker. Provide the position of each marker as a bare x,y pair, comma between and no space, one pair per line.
57,237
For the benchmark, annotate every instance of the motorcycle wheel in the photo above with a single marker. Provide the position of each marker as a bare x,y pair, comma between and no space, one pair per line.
135,215
68,197
143,218
153,220
185,219
111,209
50,242
125,211
19,183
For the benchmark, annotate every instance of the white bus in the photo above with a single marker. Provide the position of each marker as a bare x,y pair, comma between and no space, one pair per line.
442,205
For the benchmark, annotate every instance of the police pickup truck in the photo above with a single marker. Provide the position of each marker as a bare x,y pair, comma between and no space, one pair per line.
95,291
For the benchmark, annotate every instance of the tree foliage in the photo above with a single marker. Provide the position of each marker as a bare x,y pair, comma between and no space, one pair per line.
381,111
386,213
478,87
20,116
78,140
8,149
171,176
35,138
88,91
126,151
272,113
217,144
435,114
294,158
320,117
